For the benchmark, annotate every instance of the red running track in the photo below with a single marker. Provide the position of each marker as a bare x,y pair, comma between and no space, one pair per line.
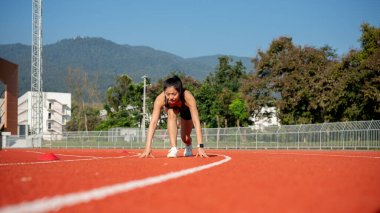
237,181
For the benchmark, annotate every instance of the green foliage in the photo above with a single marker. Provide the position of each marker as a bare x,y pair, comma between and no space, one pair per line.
124,104
78,123
361,78
239,110
218,92
227,75
121,118
313,85
84,115
257,94
298,75
369,40
207,105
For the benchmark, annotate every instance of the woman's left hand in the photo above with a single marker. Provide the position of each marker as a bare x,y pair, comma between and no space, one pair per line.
146,154
201,153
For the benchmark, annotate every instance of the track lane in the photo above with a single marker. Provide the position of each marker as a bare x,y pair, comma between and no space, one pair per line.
254,181
91,182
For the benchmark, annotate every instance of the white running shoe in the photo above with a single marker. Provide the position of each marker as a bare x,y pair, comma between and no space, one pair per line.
188,151
172,152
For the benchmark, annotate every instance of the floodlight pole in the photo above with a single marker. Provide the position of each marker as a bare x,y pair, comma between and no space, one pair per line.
36,68
143,130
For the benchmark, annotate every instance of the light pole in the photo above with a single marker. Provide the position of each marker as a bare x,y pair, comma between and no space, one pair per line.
36,69
143,134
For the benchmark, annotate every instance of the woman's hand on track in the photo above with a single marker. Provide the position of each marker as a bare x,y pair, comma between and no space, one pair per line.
201,153
146,154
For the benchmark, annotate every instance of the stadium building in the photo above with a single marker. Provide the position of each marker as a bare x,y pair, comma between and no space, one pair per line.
56,112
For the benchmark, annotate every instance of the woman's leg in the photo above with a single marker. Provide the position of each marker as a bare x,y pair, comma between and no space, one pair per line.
172,127
186,127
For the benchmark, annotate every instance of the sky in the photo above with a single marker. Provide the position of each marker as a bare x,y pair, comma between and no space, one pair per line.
193,28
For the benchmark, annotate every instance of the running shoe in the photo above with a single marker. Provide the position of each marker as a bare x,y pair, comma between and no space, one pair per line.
172,152
188,151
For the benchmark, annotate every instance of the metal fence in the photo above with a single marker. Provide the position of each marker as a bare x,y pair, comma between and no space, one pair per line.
343,135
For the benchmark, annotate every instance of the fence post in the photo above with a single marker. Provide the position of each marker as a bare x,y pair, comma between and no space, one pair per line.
236,136
256,138
367,137
278,145
205,131
67,135
343,134
217,138
320,137
298,137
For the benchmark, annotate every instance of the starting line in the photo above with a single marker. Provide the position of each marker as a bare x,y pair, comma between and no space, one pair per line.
60,201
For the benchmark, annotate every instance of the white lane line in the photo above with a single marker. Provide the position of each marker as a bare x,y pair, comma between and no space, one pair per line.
57,202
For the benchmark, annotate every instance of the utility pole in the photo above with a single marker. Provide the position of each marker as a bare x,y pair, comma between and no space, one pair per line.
143,129
36,68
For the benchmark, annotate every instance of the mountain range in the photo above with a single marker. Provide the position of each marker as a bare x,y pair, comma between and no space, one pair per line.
107,60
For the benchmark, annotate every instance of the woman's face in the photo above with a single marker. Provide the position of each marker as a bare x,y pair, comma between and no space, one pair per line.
172,95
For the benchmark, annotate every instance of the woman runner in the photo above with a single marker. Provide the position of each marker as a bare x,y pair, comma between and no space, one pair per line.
175,99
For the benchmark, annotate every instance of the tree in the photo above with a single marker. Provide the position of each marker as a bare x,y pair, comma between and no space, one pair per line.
257,94
311,85
227,75
207,106
295,77
217,93
239,110
77,123
361,78
124,104
85,97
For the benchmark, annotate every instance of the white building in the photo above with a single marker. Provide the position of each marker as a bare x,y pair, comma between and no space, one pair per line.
56,112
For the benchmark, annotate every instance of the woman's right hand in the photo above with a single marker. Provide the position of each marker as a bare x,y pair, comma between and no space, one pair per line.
146,154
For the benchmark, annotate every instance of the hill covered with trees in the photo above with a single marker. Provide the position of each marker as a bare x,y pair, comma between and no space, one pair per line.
104,60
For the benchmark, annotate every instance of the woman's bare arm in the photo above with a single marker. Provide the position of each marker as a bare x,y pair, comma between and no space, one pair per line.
158,104
191,103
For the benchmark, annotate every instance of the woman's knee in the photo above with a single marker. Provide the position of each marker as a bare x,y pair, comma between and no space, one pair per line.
186,138
171,115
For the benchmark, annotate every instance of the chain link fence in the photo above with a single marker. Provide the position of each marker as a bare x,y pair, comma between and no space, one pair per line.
355,135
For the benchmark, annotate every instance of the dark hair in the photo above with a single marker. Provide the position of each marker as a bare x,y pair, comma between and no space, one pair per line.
175,82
